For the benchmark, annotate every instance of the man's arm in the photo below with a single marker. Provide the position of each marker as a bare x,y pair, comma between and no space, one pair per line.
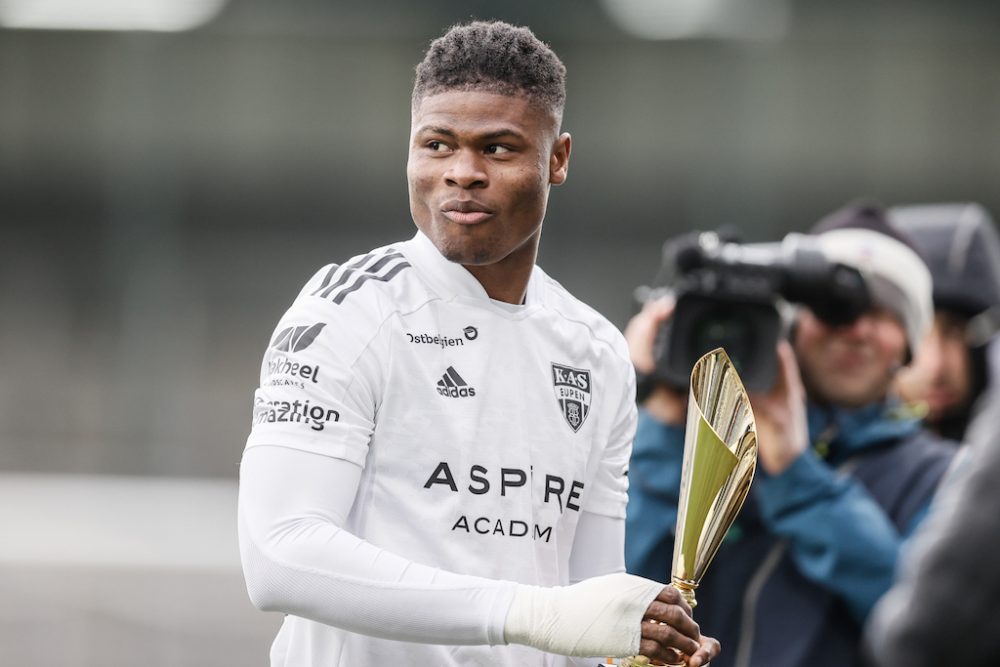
598,547
299,559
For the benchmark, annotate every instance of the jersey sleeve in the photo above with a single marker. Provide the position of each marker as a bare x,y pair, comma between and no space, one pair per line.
299,559
609,493
321,376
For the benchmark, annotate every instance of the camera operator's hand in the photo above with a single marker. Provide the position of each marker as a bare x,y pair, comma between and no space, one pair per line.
663,403
782,430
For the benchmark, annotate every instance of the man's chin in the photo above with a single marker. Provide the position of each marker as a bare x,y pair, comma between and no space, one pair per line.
940,408
853,395
468,255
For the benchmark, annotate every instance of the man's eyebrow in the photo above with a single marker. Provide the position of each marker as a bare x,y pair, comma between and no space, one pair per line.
433,129
503,132
486,136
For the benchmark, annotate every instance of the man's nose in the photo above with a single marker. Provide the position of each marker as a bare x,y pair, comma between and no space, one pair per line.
466,170
861,327
932,354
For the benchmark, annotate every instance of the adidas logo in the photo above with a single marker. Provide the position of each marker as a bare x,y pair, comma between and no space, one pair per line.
451,384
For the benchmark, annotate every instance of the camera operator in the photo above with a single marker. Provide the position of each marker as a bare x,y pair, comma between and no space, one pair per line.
844,473
962,250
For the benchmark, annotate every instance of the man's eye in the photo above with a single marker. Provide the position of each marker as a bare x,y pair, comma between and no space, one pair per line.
497,149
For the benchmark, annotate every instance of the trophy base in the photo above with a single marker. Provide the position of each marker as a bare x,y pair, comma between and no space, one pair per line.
643,661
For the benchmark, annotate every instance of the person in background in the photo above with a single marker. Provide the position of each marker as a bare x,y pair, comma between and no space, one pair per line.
943,608
943,605
960,244
435,474
844,474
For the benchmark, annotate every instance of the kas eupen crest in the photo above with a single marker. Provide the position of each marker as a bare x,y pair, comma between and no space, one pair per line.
572,387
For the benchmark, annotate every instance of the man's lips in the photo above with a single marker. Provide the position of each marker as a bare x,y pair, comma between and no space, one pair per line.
465,212
847,364
940,398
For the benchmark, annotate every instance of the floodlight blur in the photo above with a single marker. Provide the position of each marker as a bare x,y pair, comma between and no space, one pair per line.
684,19
126,15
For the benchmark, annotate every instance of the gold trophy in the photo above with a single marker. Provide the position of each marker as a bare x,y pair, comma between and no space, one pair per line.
720,456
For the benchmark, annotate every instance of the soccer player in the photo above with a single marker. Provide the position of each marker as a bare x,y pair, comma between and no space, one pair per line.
436,469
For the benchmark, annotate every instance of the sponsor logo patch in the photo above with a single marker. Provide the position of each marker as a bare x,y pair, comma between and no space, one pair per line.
573,390
293,371
469,333
312,415
296,339
433,339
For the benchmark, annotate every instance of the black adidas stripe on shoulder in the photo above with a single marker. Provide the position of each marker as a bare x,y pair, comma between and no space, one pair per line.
343,280
338,269
334,268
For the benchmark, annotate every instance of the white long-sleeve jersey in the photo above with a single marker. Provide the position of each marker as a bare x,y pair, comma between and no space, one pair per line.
479,432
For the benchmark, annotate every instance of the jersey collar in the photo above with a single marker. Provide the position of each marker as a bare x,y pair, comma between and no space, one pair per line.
454,280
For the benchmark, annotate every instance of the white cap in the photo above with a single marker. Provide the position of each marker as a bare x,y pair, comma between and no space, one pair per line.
897,278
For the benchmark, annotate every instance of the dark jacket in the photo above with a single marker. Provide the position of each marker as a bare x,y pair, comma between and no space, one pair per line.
813,548
944,607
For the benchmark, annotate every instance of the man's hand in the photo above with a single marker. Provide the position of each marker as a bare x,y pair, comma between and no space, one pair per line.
663,403
782,430
611,615
668,629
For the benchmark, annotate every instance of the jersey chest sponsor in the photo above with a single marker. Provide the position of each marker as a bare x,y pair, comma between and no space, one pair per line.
469,333
545,489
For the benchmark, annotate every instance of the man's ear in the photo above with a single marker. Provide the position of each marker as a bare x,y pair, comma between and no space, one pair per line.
559,161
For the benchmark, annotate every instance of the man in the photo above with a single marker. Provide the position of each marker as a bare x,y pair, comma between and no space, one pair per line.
962,250
441,433
843,476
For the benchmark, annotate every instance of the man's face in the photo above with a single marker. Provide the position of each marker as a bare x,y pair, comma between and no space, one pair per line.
851,365
940,375
479,169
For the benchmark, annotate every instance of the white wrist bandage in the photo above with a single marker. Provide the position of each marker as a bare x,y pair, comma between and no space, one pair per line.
600,616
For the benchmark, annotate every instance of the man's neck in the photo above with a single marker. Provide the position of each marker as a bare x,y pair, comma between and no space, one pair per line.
507,280
503,283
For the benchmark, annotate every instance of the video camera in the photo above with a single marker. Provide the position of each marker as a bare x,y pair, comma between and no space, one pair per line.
728,295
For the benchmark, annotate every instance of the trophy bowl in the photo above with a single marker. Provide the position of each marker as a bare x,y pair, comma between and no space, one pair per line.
720,457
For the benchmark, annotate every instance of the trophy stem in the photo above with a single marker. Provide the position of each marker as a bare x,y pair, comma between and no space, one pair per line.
687,590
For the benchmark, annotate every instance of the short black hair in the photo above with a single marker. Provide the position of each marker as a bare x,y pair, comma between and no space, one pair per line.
492,56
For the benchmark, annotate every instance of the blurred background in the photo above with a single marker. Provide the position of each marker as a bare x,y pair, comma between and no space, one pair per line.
172,171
